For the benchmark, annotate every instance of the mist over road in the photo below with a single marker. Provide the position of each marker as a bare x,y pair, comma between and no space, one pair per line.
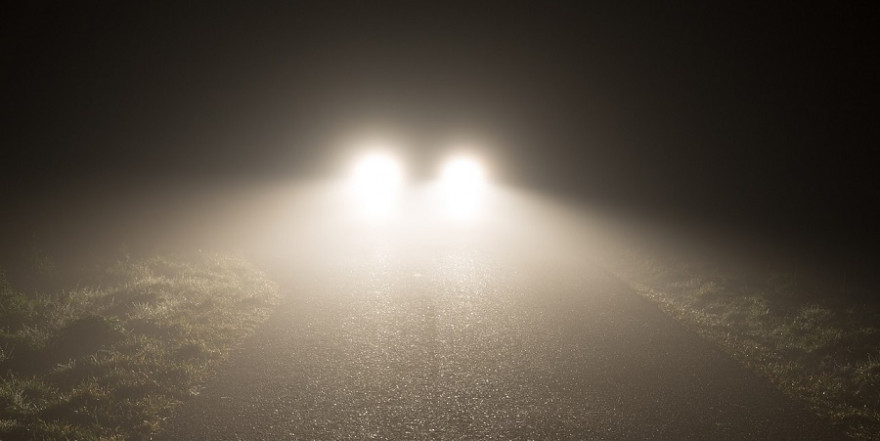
495,329
141,128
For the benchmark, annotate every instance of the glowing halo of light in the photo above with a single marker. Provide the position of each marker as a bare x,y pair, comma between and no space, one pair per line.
376,181
462,185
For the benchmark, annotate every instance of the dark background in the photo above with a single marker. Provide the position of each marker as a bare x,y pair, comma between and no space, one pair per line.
759,118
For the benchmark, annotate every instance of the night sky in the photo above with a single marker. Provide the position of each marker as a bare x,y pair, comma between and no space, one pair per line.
758,117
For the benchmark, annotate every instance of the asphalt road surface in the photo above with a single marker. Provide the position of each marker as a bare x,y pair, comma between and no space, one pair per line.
490,331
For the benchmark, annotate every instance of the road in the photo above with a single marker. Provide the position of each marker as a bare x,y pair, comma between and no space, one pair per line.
475,332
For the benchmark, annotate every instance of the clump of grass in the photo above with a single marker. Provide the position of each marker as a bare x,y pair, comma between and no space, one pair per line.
109,359
813,346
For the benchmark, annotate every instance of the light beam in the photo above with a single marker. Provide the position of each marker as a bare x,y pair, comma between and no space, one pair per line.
462,186
376,181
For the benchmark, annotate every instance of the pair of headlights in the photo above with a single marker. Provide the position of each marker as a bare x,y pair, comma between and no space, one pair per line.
379,178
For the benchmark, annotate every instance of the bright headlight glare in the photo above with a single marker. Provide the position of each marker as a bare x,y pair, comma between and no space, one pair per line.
463,175
462,183
376,180
377,172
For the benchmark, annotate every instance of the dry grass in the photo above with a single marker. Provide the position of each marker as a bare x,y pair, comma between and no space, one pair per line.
815,345
109,359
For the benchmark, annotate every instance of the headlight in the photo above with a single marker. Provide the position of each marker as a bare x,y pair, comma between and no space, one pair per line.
376,181
462,184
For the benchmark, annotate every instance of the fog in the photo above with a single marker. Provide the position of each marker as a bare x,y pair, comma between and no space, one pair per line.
756,122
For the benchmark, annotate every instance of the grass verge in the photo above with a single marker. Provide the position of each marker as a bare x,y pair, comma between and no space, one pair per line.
815,345
109,359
